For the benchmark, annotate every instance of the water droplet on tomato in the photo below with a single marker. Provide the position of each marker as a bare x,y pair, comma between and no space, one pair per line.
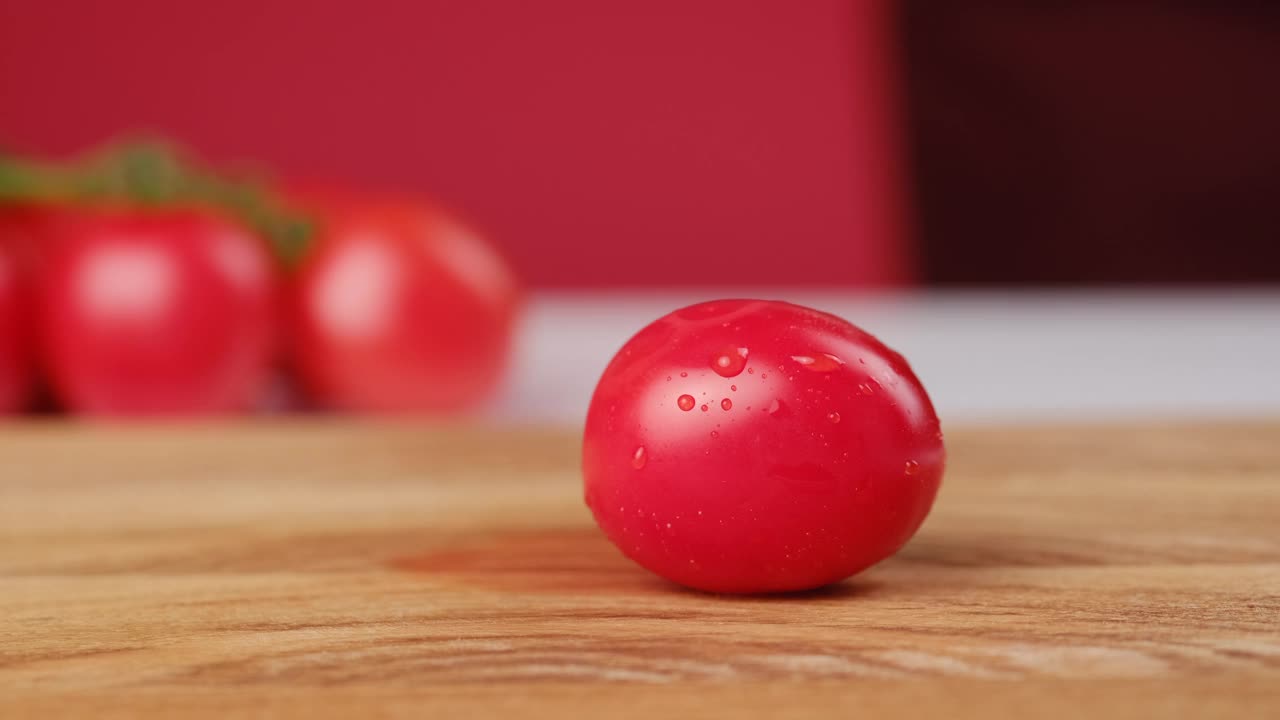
685,402
819,363
668,378
730,361
726,404
715,433
751,371
639,459
865,389
775,407
764,376
912,467
733,388
834,417
684,374
704,408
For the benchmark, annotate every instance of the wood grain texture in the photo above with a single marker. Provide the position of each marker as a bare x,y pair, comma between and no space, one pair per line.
337,570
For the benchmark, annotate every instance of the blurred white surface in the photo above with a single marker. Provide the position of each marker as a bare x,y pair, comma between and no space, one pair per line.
983,356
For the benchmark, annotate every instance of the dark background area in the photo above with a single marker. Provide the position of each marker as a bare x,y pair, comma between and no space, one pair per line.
1095,142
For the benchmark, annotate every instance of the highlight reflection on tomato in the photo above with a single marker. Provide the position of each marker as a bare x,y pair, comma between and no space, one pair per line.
400,308
756,446
157,312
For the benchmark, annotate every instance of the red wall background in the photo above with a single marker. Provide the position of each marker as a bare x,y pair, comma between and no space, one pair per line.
598,143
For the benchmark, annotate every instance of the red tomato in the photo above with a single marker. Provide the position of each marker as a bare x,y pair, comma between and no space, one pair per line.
15,368
753,446
25,230
401,309
157,312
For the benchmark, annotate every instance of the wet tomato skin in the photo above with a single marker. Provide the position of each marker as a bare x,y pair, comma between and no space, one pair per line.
748,446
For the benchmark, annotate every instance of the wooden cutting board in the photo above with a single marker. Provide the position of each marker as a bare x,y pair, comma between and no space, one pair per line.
343,570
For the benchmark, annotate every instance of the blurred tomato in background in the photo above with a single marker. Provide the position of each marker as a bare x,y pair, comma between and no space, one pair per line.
26,228
157,311
15,372
159,285
400,308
